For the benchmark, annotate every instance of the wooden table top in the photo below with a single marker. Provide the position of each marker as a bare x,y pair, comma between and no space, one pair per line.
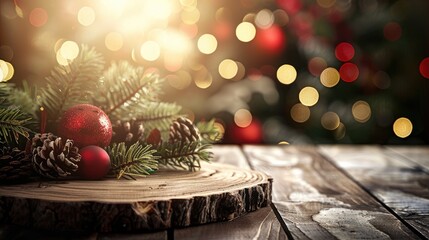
319,192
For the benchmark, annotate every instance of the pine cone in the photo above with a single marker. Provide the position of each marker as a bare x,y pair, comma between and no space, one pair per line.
56,158
183,130
40,138
15,165
129,132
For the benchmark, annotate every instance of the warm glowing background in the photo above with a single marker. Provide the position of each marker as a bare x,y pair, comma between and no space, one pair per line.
285,71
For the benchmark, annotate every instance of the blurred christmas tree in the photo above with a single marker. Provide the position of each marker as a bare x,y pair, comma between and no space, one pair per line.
299,71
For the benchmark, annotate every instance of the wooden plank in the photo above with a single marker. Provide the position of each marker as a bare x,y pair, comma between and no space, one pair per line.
261,224
317,201
417,154
399,184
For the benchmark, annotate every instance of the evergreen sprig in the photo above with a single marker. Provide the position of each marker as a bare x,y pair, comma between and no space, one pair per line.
71,84
185,156
158,115
132,161
209,132
25,99
13,124
126,89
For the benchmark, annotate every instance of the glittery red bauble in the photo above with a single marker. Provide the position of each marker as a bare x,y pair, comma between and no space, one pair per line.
86,125
94,163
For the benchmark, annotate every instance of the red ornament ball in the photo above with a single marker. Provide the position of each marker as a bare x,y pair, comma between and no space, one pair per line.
86,125
94,163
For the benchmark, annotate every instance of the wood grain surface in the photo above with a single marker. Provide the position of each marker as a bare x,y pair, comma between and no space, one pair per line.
262,224
400,184
317,201
169,198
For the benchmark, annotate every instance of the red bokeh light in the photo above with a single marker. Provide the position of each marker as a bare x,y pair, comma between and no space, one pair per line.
38,17
290,6
392,31
271,39
349,72
344,51
424,68
251,134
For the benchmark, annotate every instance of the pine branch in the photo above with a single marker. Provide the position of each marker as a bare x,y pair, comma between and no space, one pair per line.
5,89
158,115
126,89
25,99
209,132
136,160
72,84
12,124
185,156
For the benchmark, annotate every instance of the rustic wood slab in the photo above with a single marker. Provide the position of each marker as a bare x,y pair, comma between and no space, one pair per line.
167,199
400,184
317,201
262,224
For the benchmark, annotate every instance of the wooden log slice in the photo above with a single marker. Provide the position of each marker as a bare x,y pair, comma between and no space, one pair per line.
166,199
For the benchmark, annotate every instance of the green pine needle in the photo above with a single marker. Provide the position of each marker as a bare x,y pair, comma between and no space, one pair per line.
71,84
186,156
132,161
209,132
126,90
12,124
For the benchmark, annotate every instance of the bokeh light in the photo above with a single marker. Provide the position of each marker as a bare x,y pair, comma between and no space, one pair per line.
6,71
424,68
340,131
361,111
150,51
392,31
114,41
264,18
69,50
271,39
308,96
344,51
207,44
191,15
38,17
330,121
242,118
316,65
349,72
228,69
180,80
86,16
326,3
286,74
329,77
402,127
245,32
300,113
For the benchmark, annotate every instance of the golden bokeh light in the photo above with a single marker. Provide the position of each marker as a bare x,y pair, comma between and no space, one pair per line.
283,143
114,41
180,80
245,32
300,113
340,131
4,71
228,69
330,121
243,118
361,111
188,3
286,74
207,44
61,60
264,18
190,16
69,50
202,78
330,77
308,96
150,51
402,127
86,16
